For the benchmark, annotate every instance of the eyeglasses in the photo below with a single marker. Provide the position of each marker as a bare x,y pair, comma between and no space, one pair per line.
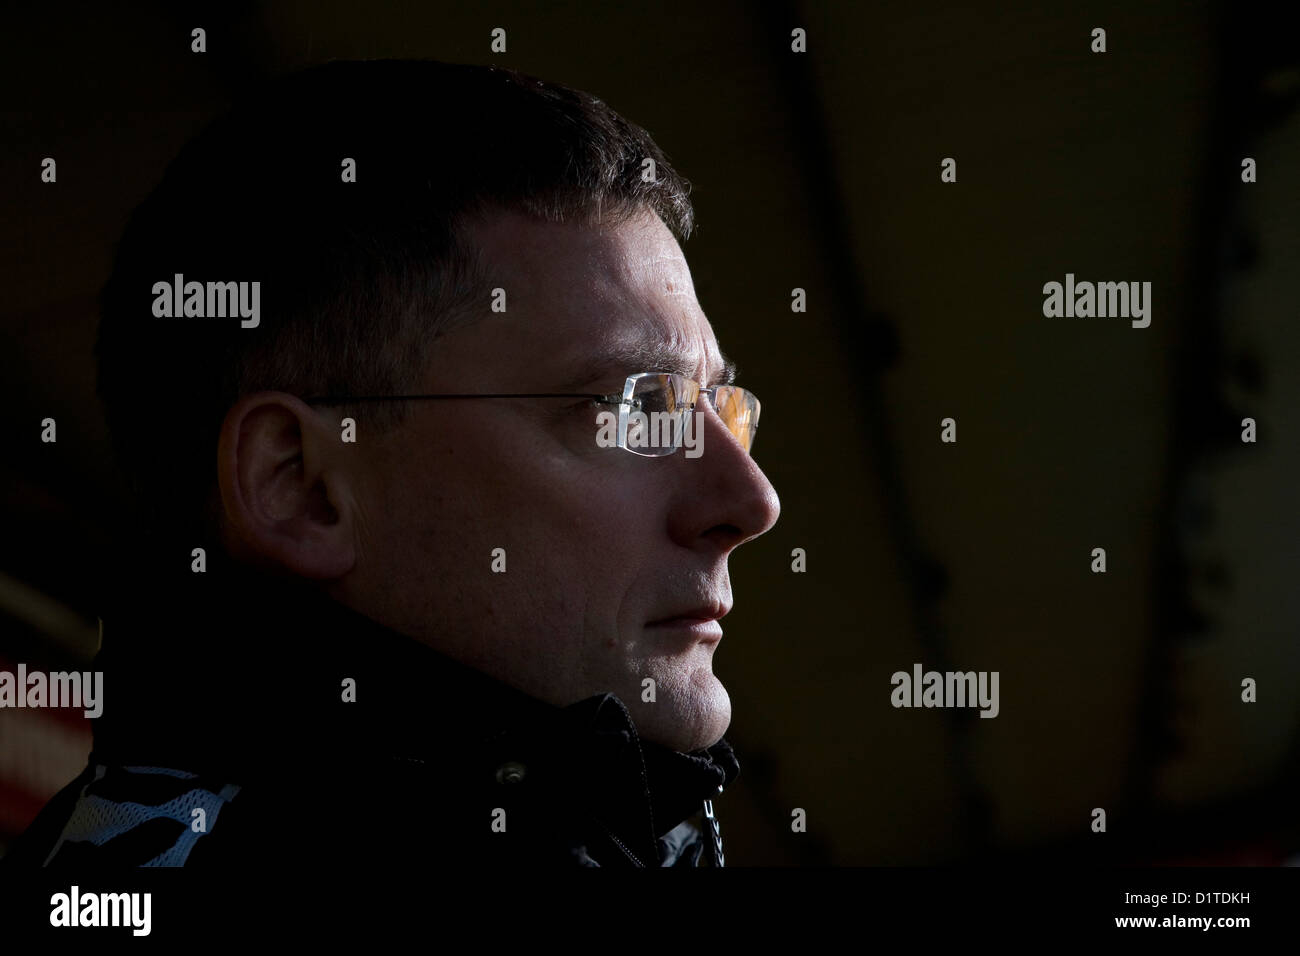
653,409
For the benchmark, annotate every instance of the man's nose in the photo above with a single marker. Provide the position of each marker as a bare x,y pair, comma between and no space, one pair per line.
726,499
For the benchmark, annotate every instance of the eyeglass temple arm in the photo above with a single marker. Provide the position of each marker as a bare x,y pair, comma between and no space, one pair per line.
341,399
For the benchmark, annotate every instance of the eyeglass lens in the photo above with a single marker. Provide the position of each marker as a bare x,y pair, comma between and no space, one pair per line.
672,394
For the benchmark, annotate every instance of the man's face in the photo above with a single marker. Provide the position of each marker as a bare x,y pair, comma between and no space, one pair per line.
600,545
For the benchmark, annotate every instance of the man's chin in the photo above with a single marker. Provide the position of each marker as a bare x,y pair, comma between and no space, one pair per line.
698,725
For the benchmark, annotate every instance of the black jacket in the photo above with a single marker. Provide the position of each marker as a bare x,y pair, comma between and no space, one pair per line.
227,697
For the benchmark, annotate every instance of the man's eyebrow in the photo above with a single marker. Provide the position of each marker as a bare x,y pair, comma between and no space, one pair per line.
626,360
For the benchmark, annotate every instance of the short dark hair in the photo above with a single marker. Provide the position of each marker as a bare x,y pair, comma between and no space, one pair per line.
356,277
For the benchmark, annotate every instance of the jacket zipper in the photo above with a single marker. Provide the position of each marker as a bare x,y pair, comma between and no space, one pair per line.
619,843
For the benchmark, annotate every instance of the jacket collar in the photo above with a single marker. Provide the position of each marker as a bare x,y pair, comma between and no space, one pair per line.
233,673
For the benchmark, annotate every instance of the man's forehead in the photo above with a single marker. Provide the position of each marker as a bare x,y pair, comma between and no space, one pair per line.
596,301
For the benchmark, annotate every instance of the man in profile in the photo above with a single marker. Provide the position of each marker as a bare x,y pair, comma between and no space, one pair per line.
439,467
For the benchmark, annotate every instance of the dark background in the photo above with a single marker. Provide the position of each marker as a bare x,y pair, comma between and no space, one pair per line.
821,171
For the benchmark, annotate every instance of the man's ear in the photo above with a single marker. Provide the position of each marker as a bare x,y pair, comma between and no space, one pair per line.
286,490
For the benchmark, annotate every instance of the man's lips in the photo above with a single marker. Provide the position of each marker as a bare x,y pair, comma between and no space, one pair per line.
697,628
701,621
713,611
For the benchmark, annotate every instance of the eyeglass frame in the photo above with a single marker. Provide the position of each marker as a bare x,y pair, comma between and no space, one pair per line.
614,398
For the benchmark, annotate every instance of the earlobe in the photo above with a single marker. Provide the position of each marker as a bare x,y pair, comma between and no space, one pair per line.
283,482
